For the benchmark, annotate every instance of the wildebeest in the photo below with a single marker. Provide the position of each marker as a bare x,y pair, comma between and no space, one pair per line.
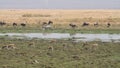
108,24
46,25
2,23
50,22
72,25
14,24
23,24
85,24
96,24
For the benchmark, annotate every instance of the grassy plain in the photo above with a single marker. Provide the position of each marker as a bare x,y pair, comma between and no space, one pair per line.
60,16
58,54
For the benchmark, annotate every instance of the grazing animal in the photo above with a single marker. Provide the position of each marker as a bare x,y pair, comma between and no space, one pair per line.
108,24
65,46
23,24
50,48
85,44
85,24
14,24
94,46
46,25
73,25
31,44
76,57
96,24
50,22
34,61
10,46
2,23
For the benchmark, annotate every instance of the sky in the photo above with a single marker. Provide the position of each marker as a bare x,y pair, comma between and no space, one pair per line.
59,4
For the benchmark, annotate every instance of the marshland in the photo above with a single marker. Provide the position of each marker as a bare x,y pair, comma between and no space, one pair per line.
52,53
59,38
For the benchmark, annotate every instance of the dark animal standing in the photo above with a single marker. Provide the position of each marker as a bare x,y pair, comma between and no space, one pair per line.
46,25
2,23
23,24
85,24
14,24
50,22
108,24
73,25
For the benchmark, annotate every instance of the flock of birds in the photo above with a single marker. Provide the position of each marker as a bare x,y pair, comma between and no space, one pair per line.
48,25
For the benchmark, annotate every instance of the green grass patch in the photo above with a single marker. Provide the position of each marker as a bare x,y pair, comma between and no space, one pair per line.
65,54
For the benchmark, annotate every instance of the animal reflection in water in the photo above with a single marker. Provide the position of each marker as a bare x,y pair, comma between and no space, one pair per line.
46,25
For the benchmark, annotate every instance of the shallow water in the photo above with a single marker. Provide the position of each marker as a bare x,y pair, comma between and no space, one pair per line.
76,37
98,37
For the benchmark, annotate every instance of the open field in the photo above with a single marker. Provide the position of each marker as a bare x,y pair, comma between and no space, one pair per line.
24,53
61,20
60,16
58,54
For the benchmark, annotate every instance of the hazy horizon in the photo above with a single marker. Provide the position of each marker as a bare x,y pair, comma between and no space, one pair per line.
60,4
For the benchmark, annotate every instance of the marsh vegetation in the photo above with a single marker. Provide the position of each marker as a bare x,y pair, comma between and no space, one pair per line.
54,53
59,53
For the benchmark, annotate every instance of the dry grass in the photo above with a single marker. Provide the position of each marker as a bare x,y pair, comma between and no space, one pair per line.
60,16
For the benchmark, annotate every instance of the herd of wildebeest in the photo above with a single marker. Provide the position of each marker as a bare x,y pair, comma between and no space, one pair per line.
48,25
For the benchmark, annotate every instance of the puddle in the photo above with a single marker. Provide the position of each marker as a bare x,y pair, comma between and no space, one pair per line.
76,37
